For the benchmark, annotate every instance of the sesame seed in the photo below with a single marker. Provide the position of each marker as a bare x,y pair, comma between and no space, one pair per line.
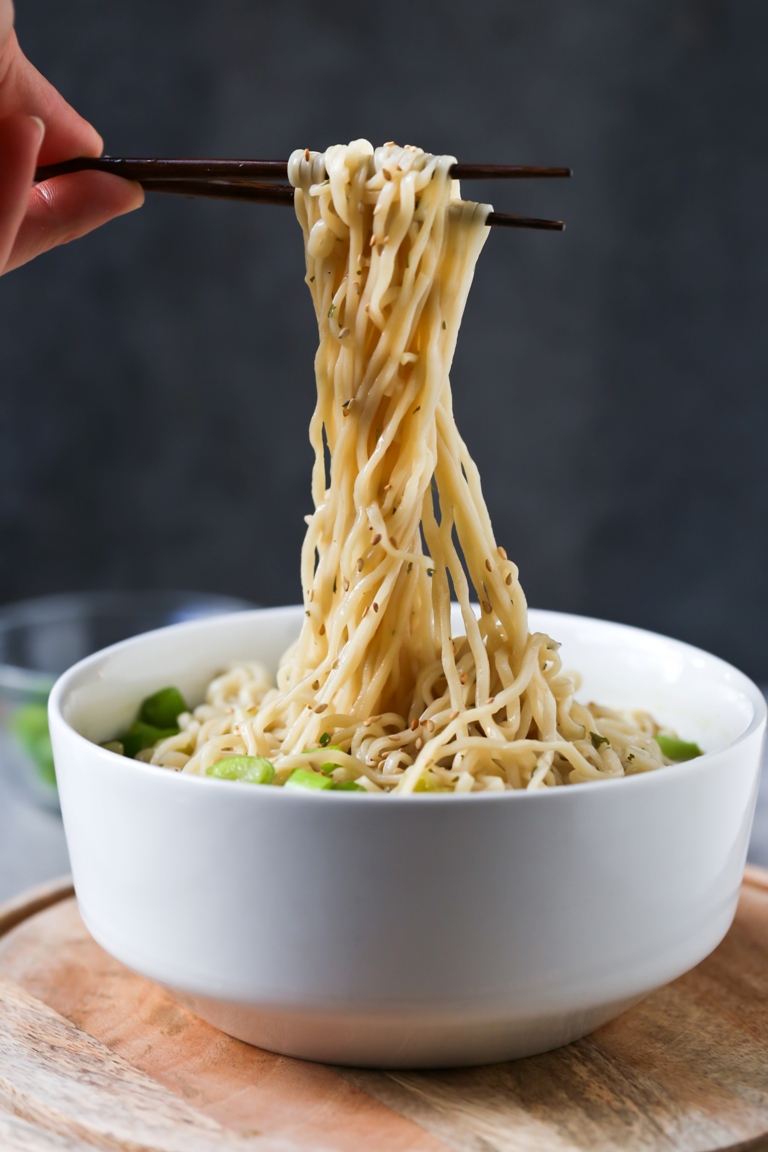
322,630
306,153
377,538
320,708
344,333
387,487
430,725
486,607
375,606
508,579
414,724
360,564
502,552
488,566
345,584
419,743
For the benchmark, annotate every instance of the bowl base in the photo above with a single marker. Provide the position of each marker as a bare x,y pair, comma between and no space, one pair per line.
399,1039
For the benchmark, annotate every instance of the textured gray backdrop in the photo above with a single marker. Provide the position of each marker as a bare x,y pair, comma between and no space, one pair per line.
157,377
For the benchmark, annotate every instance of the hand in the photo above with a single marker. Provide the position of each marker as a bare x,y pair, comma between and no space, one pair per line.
37,127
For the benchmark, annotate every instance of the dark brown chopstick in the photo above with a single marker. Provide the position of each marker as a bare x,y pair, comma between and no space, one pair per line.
224,190
142,170
504,220
283,194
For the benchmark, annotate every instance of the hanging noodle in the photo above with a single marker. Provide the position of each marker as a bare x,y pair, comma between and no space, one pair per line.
376,683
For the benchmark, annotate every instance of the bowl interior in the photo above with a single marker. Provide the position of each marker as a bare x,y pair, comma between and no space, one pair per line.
700,696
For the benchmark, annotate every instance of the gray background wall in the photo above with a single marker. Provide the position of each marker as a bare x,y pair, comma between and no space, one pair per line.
157,377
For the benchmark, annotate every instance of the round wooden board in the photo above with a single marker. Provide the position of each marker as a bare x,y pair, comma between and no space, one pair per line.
93,1056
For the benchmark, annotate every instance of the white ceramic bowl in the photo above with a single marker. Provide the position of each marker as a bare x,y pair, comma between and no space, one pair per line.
408,931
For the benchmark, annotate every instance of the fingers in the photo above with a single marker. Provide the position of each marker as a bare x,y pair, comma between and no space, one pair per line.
6,22
22,88
20,140
37,126
63,209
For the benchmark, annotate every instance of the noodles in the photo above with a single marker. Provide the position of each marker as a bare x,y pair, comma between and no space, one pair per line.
376,688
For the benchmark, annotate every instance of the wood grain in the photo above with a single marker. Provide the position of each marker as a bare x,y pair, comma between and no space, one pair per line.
12,912
62,1081
686,1069
53,957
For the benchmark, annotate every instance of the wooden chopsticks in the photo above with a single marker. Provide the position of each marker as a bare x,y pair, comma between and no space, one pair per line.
244,180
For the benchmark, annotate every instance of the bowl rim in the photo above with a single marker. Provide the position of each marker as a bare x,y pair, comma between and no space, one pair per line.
63,684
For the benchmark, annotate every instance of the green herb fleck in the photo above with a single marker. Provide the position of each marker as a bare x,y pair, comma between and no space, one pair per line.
324,739
444,325
331,310
598,740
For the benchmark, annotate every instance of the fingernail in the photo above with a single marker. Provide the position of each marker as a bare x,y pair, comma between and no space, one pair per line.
42,126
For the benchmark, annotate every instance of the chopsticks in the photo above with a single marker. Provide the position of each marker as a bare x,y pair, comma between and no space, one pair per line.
244,180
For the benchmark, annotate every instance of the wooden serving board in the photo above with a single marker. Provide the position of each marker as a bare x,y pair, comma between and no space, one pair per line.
95,1057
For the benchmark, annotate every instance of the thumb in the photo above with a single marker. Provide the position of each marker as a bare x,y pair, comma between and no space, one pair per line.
20,140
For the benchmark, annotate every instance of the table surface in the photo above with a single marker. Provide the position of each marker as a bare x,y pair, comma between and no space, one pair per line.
33,848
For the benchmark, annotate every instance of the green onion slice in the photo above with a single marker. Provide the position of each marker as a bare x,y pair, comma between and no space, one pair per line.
248,769
678,750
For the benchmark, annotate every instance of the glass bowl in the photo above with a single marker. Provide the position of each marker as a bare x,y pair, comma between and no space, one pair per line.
41,638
